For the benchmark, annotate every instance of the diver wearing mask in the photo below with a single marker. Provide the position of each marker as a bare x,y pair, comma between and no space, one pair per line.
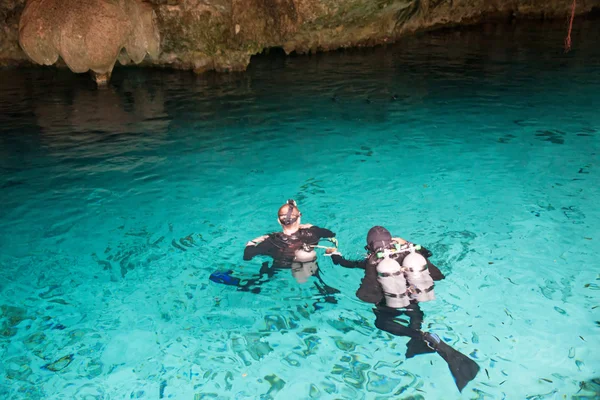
295,243
397,278
381,237
292,248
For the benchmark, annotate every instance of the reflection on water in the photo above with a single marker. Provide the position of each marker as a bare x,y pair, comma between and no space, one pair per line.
405,73
133,110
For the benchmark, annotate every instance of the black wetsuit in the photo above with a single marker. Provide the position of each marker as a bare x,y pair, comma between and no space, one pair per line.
370,291
282,248
389,319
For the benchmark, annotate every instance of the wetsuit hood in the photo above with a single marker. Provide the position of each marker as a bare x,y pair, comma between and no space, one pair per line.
378,238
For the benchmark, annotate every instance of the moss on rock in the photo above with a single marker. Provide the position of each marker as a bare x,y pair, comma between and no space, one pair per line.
222,35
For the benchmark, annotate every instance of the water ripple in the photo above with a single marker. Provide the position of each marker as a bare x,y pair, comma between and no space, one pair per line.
117,204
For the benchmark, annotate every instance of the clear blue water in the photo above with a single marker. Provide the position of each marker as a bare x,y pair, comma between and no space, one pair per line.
117,204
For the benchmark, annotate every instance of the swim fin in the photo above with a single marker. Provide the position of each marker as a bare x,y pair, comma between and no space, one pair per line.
224,278
415,346
463,369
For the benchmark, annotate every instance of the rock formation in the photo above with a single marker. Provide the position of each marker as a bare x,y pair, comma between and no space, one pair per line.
10,13
222,35
89,35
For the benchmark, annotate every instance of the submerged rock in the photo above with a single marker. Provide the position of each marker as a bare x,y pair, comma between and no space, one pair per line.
10,317
17,368
59,364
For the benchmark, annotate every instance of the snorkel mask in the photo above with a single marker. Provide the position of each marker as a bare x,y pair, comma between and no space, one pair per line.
288,218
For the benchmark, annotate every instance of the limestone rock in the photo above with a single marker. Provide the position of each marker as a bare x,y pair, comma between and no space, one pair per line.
10,52
88,34
222,35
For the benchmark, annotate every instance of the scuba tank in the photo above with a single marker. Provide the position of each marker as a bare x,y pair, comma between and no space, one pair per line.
391,279
301,271
305,254
417,274
304,264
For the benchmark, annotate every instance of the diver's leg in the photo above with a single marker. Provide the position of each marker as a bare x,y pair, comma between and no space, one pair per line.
415,345
264,275
326,292
250,285
463,369
325,288
415,314
246,285
386,320
266,270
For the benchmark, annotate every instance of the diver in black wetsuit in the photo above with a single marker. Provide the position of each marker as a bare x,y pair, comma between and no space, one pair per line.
397,277
291,249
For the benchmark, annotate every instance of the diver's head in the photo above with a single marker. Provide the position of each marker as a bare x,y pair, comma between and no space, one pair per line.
378,238
288,216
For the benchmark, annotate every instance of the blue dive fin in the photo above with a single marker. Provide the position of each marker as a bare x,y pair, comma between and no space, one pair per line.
224,278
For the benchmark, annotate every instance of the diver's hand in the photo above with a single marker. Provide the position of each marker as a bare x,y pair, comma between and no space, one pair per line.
336,258
256,241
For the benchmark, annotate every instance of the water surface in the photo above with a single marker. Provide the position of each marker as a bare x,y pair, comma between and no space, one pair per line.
117,204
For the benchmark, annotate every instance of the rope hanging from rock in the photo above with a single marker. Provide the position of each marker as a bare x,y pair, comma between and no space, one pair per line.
568,38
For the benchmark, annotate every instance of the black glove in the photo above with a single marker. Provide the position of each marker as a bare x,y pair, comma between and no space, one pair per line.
336,258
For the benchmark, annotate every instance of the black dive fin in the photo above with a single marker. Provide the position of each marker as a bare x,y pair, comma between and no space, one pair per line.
415,346
463,369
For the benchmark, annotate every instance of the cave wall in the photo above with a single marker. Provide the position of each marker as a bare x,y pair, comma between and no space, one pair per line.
10,51
222,35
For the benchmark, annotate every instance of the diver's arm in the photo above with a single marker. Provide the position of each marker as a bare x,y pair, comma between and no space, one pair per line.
370,291
424,252
321,232
434,272
258,246
339,260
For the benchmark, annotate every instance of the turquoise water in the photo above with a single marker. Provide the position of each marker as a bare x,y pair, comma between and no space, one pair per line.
117,204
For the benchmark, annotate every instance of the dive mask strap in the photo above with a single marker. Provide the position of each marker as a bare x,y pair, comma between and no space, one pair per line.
291,206
287,219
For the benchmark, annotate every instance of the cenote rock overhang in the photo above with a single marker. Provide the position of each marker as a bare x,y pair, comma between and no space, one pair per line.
222,35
